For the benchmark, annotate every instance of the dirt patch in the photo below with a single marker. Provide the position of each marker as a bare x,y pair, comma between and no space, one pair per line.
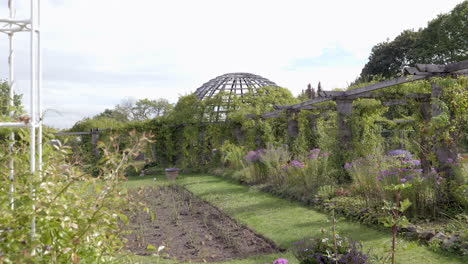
189,228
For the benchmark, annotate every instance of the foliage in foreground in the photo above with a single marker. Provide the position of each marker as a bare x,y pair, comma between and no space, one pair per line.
77,217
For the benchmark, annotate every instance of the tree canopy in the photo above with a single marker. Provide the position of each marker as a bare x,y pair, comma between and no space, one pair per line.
444,40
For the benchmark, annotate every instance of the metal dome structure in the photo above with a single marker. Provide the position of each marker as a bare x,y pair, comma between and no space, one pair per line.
232,84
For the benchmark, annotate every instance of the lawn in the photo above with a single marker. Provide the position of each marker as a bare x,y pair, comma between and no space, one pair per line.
285,221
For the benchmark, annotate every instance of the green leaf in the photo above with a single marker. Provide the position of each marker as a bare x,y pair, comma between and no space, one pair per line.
405,205
150,247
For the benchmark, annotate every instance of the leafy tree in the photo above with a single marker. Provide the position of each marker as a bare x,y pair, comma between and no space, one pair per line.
126,108
87,124
444,40
113,114
188,109
4,98
131,110
388,58
145,109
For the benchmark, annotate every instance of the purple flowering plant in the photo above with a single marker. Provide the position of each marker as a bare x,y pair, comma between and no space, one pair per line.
280,261
321,250
400,169
254,155
400,153
399,176
267,164
296,163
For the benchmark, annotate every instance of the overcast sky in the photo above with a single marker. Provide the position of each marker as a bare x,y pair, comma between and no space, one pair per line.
97,52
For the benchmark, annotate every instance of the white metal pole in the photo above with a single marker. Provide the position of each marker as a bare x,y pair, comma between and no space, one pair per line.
32,142
11,84
39,89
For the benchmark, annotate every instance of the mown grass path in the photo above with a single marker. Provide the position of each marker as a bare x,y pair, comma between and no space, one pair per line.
285,221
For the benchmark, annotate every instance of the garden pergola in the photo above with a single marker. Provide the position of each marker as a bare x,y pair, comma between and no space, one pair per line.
344,106
10,26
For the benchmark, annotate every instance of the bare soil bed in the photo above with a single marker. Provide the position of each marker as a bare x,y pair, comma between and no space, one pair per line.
189,228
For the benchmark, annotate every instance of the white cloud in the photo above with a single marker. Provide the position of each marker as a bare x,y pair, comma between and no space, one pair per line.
100,51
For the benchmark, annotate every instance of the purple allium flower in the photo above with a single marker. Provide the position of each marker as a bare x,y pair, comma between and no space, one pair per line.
433,170
348,165
400,153
253,156
297,243
296,163
409,177
285,167
325,154
379,178
250,155
386,172
403,180
280,261
315,150
449,160
414,162
312,156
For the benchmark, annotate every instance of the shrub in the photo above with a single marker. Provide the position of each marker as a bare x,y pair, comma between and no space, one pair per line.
233,155
321,251
306,174
371,174
77,217
326,192
315,171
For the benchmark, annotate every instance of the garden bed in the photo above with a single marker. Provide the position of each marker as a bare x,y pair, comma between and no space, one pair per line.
442,233
189,228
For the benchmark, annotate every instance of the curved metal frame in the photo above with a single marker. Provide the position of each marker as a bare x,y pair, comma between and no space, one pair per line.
233,84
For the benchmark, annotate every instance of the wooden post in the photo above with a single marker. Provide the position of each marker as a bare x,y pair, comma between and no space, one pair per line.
94,140
293,126
426,145
258,138
446,151
238,134
312,121
292,130
344,108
